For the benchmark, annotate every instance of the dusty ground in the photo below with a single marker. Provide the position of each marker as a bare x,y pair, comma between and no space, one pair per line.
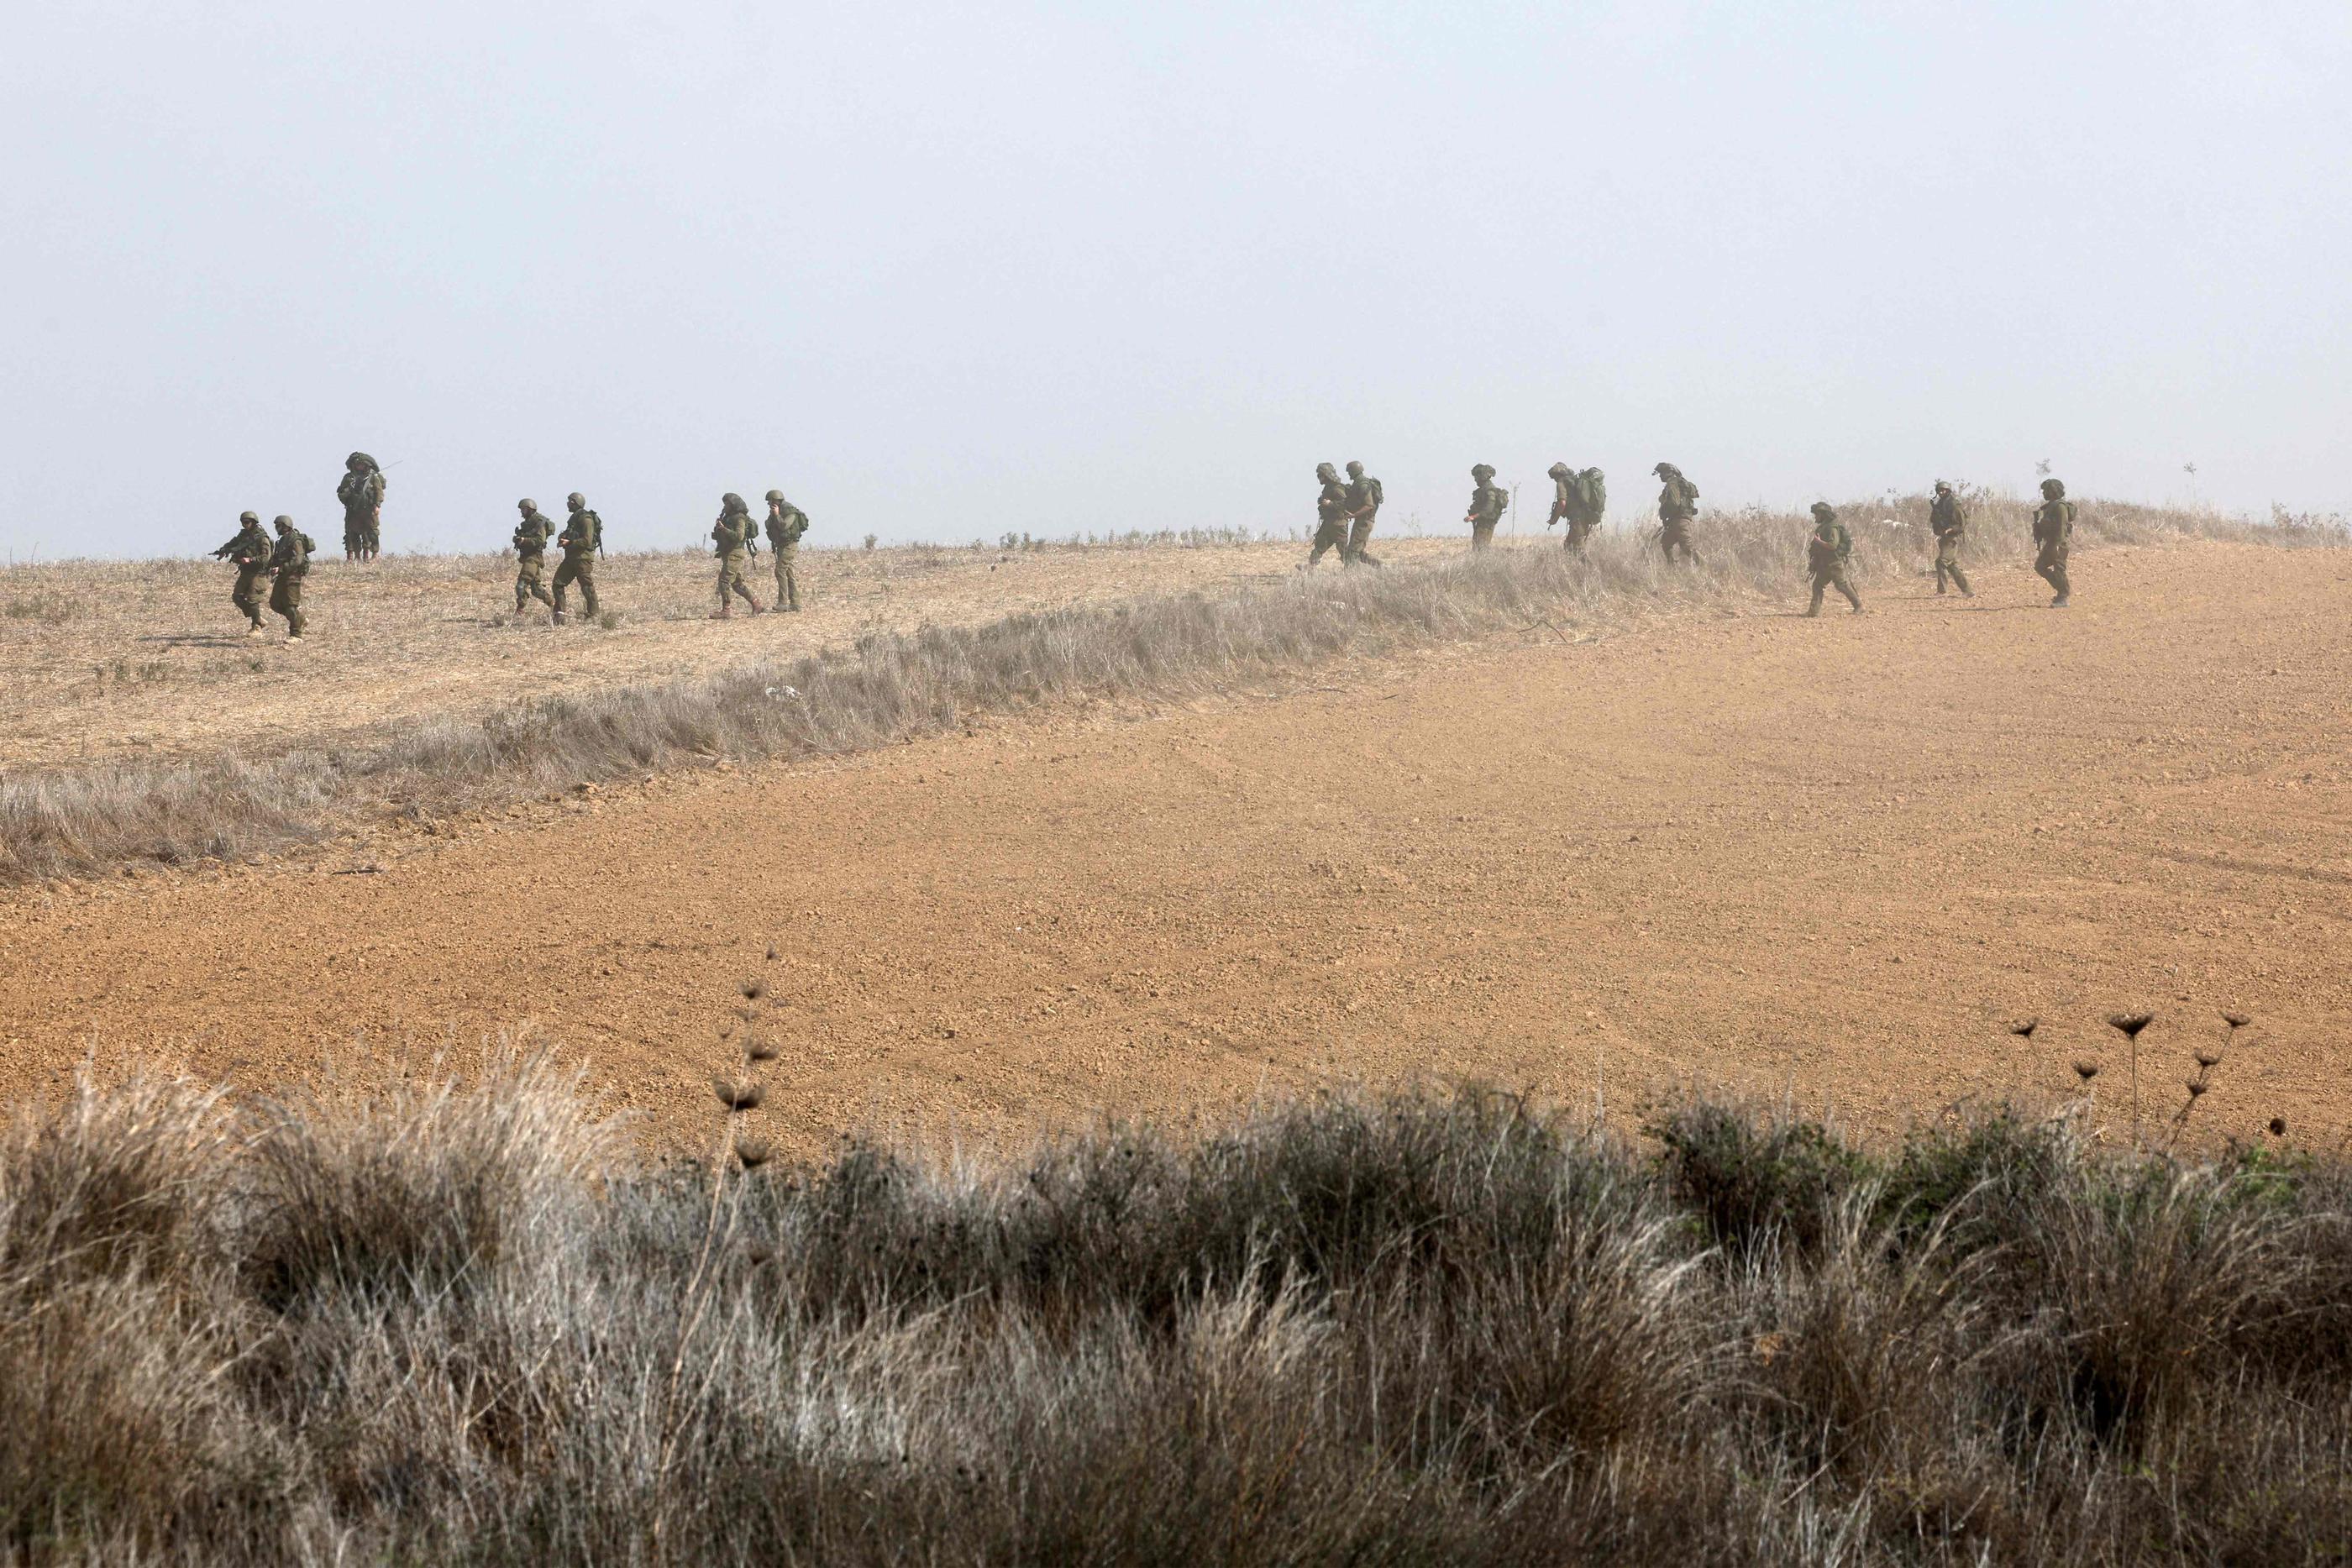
150,658
1830,857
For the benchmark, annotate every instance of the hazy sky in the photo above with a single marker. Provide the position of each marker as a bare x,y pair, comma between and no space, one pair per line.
942,271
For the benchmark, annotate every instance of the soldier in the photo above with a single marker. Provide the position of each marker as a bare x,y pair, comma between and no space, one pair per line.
362,493
583,541
250,550
730,538
1331,515
1364,498
1828,553
530,537
1948,524
2053,524
289,563
786,523
1677,504
1574,501
1487,500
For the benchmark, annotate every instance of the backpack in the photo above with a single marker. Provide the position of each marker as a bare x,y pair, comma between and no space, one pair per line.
591,528
310,545
1372,488
1592,493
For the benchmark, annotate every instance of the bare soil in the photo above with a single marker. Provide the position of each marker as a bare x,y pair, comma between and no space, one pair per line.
1832,858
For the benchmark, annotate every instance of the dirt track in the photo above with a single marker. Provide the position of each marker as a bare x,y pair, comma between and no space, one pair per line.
1837,855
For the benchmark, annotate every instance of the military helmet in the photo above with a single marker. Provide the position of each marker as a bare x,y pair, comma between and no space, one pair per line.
359,460
775,497
1325,470
1823,509
2053,489
1482,471
1662,469
526,504
281,522
1355,468
1942,486
1558,471
732,502
249,518
576,501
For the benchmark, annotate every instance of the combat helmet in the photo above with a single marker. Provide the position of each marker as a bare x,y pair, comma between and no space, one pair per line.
526,505
576,501
249,520
359,460
732,502
1355,469
281,522
1823,510
1325,471
2053,489
1943,486
775,497
1482,471
1558,471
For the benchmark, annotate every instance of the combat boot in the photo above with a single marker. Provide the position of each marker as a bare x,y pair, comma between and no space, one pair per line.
722,613
559,618
757,608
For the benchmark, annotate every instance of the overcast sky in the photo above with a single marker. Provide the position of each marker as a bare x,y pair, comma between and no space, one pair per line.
942,271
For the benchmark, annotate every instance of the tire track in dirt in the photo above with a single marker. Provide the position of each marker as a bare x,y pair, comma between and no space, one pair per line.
1832,858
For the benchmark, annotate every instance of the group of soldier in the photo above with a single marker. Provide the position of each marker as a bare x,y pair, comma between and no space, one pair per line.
1344,514
285,562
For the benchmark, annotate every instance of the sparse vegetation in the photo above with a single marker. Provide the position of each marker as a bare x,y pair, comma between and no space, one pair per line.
896,684
466,1325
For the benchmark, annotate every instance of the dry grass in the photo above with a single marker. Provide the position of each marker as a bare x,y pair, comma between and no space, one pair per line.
461,1325
912,676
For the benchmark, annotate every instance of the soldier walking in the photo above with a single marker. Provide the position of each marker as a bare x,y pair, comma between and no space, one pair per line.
289,563
530,536
1576,500
1364,497
361,490
1330,517
730,538
2054,526
786,523
1950,524
582,541
1677,505
1487,500
1828,553
250,550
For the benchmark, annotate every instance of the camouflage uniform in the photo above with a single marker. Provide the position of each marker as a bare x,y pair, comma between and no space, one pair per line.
250,550
1331,515
1568,506
361,491
1827,555
289,563
1677,505
1487,500
1948,524
530,556
732,537
2054,526
582,541
786,523
1364,498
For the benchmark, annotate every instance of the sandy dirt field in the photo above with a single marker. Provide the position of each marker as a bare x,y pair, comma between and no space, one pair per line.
1829,858
150,659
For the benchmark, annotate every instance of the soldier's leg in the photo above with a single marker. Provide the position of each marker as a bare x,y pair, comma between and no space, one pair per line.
791,591
1846,586
1960,580
587,576
1323,541
565,572
1820,583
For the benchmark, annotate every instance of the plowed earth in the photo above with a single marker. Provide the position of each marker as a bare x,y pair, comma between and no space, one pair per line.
1833,858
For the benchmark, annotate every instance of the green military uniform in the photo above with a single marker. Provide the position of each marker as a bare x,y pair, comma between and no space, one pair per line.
361,491
1487,500
1948,524
530,536
1330,514
289,563
1571,502
1677,505
250,550
582,541
2054,526
786,523
730,540
1364,497
1828,553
